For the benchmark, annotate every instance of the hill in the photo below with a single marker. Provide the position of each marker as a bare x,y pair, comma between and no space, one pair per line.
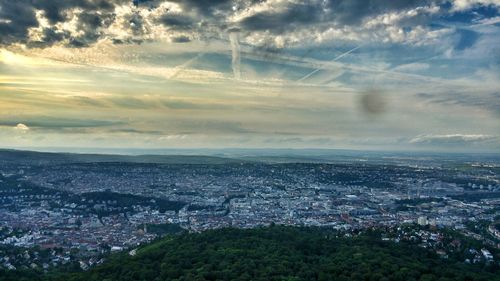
43,158
278,253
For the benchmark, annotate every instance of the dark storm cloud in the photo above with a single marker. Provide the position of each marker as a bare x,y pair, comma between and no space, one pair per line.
342,12
177,21
353,11
89,23
55,10
206,7
50,36
279,21
181,39
134,22
206,18
16,18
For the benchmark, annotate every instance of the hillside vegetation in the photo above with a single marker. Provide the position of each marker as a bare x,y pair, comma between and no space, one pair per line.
278,253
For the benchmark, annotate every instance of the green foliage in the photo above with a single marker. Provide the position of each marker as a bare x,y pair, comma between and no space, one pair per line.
19,275
278,253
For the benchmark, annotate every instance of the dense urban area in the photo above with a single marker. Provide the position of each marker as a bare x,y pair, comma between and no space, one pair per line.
69,211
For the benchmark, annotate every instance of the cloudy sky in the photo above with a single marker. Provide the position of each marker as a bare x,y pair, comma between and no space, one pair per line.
356,74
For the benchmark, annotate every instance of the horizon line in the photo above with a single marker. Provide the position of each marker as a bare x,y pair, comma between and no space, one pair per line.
127,151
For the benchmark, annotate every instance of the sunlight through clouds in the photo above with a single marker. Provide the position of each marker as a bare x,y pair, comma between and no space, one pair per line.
251,74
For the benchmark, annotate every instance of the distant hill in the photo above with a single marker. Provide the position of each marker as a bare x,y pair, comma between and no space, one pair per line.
231,156
32,157
276,253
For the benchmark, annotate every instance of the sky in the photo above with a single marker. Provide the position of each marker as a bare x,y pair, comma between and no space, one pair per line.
347,74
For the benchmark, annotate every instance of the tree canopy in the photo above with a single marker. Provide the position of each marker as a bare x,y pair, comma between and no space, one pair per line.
277,253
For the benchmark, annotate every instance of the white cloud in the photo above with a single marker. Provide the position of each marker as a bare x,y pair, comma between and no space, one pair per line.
21,127
462,5
412,67
451,139
389,27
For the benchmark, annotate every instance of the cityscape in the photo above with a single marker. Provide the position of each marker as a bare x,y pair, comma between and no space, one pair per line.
81,210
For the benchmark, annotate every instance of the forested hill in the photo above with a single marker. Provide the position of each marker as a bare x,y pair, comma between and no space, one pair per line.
278,253
44,158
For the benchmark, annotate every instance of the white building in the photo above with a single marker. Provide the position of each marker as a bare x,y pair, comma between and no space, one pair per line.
486,254
422,220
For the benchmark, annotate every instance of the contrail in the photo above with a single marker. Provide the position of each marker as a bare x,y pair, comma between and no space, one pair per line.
335,59
235,48
180,68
